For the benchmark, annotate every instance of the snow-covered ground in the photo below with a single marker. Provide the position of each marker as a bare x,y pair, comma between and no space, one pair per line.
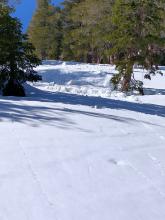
94,80
74,150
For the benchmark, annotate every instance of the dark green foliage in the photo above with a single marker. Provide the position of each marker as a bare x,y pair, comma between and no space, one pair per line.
137,37
137,85
84,30
17,58
13,88
33,77
115,81
122,32
45,30
107,31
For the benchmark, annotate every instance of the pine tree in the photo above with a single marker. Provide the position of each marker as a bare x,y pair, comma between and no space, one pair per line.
17,58
44,4
68,26
39,29
3,2
45,30
86,25
137,37
55,35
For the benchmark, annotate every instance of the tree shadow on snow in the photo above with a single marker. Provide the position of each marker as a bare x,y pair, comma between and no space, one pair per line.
36,113
18,111
79,76
98,102
152,91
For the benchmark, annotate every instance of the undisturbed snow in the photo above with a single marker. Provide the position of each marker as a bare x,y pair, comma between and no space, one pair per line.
74,150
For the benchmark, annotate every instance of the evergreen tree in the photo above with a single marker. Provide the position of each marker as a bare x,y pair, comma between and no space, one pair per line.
137,37
56,36
68,25
17,58
86,24
45,30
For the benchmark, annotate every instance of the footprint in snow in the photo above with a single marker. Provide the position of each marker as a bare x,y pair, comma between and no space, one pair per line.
118,163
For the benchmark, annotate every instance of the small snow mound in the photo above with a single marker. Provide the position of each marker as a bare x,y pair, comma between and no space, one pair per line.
118,163
70,82
107,81
122,163
94,80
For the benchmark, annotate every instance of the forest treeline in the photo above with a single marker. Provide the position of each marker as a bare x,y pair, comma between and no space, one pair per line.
120,32
76,31
86,30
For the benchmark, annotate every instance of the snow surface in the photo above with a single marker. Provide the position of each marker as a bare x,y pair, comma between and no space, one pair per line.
74,150
94,80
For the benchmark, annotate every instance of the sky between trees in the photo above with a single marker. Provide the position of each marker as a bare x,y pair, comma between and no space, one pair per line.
25,10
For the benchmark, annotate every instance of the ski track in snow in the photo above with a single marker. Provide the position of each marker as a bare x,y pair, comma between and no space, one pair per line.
150,155
32,170
154,159
142,175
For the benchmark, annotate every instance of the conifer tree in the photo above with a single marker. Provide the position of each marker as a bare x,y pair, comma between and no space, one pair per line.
137,37
68,25
39,29
55,35
87,24
45,30
17,58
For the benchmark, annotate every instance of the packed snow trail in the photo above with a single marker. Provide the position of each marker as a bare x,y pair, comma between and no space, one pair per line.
71,157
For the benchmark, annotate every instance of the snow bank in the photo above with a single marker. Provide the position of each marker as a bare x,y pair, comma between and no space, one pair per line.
92,80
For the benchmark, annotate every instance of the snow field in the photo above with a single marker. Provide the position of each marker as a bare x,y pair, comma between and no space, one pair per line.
66,156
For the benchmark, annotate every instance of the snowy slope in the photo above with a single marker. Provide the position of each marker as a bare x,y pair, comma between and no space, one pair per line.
68,156
94,80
